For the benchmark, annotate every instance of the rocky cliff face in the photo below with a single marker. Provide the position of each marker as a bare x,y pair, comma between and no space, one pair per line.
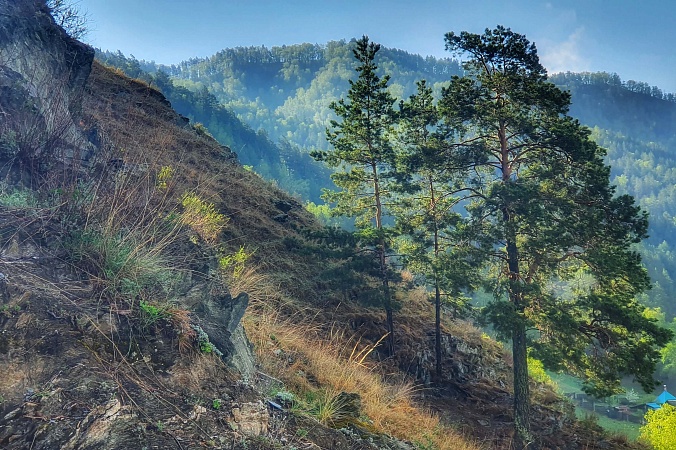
42,75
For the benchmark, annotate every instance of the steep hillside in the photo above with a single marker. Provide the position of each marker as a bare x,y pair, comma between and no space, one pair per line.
132,244
114,308
284,162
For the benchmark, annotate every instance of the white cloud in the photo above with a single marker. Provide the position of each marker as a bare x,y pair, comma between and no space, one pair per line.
565,56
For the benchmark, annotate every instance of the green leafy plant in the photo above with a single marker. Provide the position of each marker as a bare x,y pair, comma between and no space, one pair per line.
17,198
536,371
165,174
8,310
216,404
234,263
203,342
152,313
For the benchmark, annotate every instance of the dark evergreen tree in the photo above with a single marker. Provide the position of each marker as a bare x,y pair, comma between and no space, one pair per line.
541,194
433,240
364,159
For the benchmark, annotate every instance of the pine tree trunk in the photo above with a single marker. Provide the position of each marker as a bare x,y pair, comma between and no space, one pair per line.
437,289
382,254
437,327
523,439
390,329
387,300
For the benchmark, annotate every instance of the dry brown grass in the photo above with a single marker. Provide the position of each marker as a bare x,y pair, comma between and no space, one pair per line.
311,360
132,119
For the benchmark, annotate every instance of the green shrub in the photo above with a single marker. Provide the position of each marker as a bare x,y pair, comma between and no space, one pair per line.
201,130
660,428
234,264
16,198
536,371
165,174
152,313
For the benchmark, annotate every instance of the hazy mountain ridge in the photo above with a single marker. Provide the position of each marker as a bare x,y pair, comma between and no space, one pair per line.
637,124
286,90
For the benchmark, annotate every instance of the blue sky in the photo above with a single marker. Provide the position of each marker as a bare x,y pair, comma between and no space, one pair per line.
634,38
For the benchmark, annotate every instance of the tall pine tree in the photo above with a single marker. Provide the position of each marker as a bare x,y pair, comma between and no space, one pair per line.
433,241
363,157
540,193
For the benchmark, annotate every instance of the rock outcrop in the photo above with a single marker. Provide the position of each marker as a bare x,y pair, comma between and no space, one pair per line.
42,75
218,314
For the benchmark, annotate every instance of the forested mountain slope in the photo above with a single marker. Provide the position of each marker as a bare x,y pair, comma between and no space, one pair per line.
284,93
286,90
637,124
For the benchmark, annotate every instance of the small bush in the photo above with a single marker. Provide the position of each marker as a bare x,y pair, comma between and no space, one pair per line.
17,198
201,130
202,217
536,371
165,174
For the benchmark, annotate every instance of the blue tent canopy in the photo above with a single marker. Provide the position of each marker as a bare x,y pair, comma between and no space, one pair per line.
664,397
661,399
